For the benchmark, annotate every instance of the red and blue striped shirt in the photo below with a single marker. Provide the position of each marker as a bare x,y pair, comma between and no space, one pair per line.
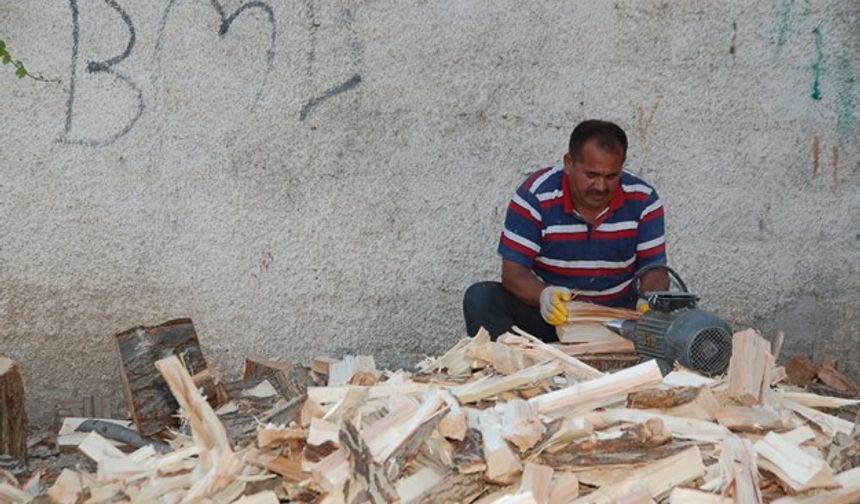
544,233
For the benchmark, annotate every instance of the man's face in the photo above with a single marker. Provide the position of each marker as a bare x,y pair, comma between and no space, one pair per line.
594,178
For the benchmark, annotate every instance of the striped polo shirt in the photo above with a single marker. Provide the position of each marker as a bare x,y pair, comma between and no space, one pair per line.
544,233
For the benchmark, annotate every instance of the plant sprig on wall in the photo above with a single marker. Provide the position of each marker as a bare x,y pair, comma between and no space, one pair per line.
20,70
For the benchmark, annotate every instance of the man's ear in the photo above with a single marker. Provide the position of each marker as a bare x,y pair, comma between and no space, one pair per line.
568,163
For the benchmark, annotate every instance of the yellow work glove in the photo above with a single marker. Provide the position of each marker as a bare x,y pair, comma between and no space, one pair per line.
552,307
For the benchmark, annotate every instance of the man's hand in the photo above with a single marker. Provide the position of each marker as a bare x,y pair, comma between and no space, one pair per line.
552,307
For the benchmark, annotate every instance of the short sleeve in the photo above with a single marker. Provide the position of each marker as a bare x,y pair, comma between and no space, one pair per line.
521,236
651,237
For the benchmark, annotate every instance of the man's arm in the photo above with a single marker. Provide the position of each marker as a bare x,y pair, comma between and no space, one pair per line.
521,282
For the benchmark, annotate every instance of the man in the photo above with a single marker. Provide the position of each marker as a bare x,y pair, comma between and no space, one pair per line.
577,230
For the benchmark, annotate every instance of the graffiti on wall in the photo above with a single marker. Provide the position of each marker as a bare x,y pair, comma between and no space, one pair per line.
838,94
73,132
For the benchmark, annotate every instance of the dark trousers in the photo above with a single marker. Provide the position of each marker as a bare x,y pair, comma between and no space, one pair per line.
489,305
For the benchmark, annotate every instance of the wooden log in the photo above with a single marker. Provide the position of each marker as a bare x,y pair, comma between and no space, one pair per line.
591,394
13,415
149,399
749,367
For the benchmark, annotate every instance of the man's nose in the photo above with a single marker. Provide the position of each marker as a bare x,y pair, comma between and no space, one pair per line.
600,184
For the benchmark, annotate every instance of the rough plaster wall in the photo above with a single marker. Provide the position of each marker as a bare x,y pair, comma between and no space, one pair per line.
329,176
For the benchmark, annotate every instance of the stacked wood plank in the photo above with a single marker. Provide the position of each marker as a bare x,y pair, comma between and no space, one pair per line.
506,421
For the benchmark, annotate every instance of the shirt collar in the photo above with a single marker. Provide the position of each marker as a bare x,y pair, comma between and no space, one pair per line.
615,203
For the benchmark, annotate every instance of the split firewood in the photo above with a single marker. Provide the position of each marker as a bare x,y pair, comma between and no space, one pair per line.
502,464
658,478
322,364
796,467
527,433
682,495
495,385
690,402
739,418
586,332
749,367
573,366
844,451
342,371
456,360
13,415
565,488
67,489
739,470
591,394
288,380
520,424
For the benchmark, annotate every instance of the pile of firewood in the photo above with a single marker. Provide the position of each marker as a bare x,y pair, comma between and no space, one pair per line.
508,421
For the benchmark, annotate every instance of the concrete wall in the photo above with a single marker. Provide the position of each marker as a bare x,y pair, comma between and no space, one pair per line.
329,176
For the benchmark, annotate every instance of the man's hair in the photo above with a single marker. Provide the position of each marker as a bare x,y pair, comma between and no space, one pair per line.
609,136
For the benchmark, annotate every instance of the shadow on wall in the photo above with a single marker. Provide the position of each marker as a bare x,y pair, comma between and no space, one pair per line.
810,323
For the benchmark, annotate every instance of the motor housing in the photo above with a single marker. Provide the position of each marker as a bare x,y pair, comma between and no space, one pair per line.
695,338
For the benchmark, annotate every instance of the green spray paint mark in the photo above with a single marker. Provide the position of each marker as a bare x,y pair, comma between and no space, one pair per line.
818,66
784,27
845,96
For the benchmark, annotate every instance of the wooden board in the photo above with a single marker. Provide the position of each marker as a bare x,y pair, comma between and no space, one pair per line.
149,399
13,415
586,333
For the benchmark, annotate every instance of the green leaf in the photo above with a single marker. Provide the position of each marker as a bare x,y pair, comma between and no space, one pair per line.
21,72
2,45
7,59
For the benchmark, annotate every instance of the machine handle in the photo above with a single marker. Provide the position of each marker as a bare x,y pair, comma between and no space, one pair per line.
652,267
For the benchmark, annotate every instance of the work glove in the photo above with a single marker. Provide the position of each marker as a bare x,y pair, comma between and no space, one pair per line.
552,307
